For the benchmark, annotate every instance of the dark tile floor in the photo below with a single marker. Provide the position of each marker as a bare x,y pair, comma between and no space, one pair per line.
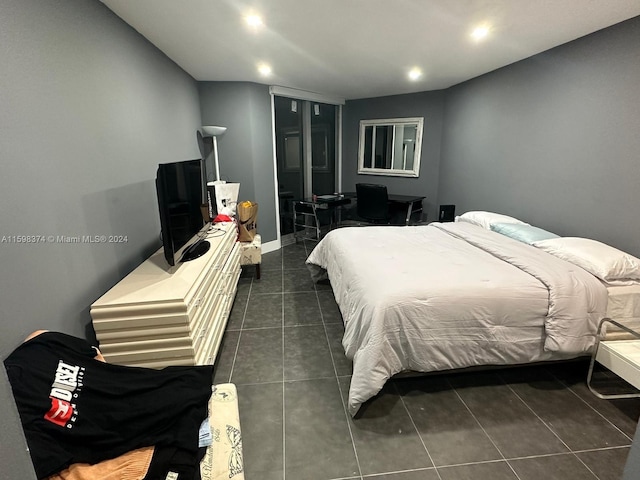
283,350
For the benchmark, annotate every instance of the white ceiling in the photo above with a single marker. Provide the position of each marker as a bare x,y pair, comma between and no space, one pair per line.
361,48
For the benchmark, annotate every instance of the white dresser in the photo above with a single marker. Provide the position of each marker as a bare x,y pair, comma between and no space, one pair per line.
159,315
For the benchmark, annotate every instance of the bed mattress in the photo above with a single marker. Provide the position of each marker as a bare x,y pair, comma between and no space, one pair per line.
446,296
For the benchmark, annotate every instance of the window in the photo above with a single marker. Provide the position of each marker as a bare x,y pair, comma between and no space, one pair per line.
390,146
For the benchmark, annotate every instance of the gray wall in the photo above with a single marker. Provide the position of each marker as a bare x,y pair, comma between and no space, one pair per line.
89,108
425,104
245,151
553,140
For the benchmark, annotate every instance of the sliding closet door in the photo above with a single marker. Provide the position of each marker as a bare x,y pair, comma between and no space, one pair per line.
289,155
306,153
323,148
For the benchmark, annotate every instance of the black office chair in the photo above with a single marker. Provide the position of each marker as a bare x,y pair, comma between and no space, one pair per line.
372,203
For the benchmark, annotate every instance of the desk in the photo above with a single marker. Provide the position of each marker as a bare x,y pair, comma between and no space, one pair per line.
330,202
410,201
306,209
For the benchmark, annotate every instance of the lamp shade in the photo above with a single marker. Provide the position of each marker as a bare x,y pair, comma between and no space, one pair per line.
212,131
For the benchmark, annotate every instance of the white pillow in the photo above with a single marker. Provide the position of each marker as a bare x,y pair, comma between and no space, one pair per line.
604,261
485,219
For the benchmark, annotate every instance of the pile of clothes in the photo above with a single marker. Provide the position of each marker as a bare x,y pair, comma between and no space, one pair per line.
81,414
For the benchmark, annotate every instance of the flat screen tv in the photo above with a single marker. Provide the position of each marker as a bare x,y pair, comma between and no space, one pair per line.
180,190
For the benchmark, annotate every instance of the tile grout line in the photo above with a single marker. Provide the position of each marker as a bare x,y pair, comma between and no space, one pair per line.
546,425
568,387
310,379
255,384
287,326
482,428
284,426
244,314
415,427
335,371
423,469
616,447
528,457
481,462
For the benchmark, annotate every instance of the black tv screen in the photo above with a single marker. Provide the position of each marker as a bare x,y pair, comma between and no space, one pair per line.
179,188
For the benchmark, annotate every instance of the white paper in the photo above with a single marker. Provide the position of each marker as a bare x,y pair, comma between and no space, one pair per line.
226,197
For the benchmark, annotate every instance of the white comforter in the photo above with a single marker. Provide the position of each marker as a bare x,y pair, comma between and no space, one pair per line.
452,295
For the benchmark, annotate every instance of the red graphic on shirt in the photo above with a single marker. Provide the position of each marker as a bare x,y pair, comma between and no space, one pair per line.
66,388
60,412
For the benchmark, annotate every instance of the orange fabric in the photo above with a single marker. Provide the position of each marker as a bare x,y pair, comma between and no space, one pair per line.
132,465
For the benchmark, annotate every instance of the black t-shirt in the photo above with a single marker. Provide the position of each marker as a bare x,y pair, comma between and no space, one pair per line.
74,408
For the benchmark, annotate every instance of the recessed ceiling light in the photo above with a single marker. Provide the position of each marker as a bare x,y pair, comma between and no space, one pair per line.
264,69
415,73
253,20
480,32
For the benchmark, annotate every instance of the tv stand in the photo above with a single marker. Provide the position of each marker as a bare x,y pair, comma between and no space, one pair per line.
196,250
160,315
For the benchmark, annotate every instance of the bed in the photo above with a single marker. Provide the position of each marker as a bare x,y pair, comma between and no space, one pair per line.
452,295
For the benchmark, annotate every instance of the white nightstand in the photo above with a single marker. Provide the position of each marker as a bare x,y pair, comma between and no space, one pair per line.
622,357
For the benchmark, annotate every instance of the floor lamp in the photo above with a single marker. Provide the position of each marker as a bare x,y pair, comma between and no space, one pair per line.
210,131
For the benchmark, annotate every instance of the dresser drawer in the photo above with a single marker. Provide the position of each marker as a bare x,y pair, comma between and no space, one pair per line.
208,348
136,354
159,315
